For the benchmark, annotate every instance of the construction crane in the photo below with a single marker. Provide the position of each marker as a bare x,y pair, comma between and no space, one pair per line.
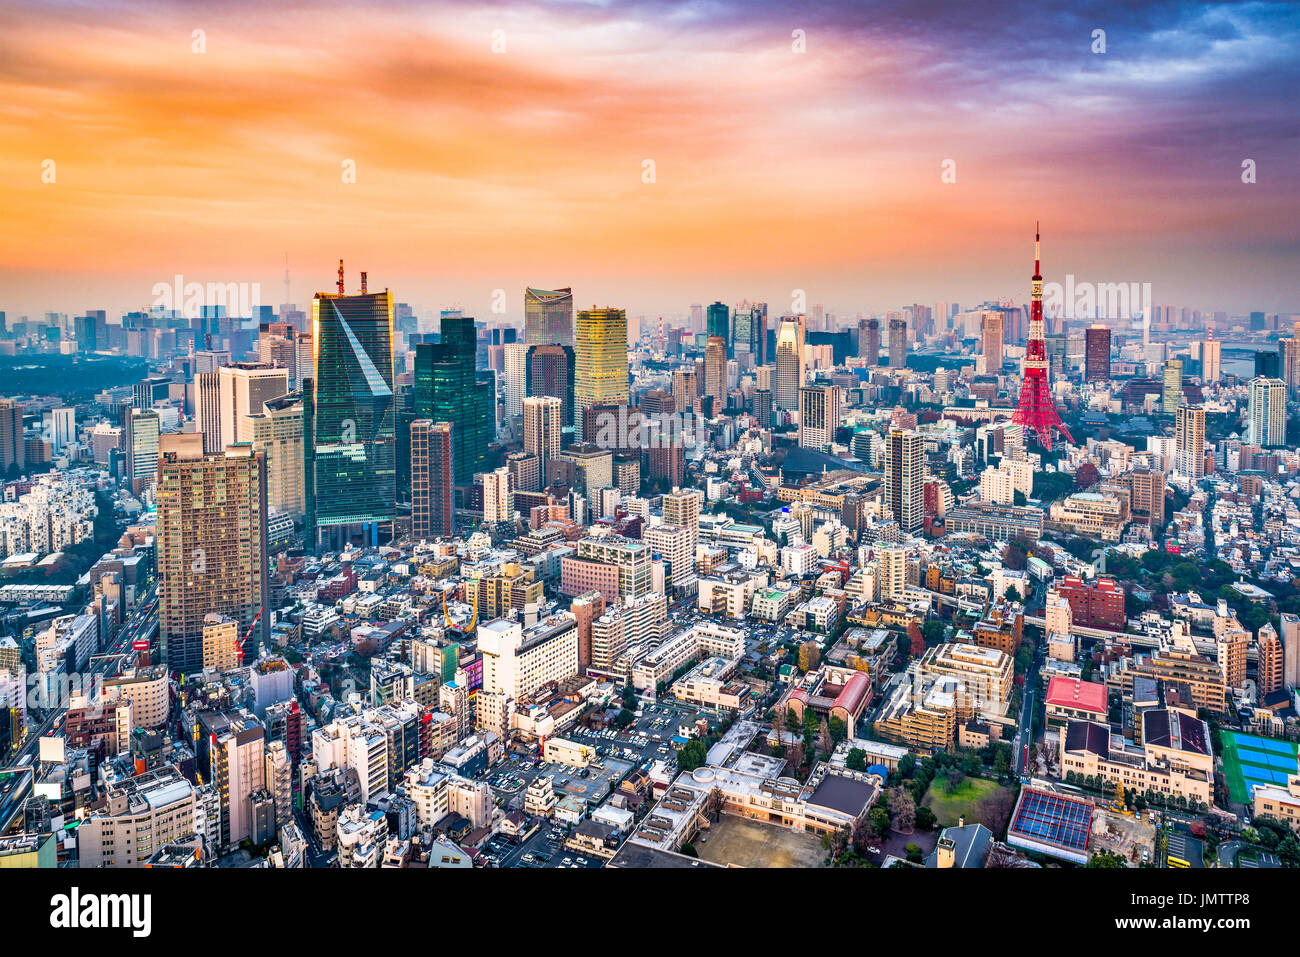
239,649
473,618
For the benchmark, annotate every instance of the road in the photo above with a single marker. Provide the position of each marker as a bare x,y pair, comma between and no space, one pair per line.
142,623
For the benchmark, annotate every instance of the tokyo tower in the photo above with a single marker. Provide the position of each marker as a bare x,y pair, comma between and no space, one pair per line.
1035,411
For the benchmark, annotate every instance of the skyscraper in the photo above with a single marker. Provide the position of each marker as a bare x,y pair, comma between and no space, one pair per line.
819,415
13,451
1211,359
276,432
719,324
447,389
748,329
141,426
991,337
549,370
211,544
207,409
905,479
543,421
349,419
433,486
686,389
516,376
244,388
1266,413
1189,442
1096,354
548,316
897,343
715,372
498,496
1171,395
789,362
600,351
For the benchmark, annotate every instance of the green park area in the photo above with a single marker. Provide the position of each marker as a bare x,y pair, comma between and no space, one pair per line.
963,801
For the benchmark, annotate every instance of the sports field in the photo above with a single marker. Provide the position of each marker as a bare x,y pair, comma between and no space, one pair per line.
1249,760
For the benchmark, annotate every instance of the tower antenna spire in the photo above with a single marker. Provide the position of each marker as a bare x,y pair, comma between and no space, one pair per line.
1035,411
340,277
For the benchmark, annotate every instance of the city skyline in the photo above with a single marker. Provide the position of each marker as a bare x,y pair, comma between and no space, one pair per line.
823,168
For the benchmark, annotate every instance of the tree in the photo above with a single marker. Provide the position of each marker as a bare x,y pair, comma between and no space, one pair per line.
1107,859
811,725
925,819
1120,799
692,755
624,718
839,730
954,781
857,760
934,632
902,810
688,849
809,656
995,810
880,821
792,721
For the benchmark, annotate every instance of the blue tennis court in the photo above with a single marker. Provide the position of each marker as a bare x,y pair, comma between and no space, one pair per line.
1249,761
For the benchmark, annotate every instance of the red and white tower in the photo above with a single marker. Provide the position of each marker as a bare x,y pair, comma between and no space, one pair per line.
1036,410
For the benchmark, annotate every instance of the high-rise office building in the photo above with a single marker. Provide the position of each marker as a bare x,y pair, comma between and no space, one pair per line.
872,350
211,545
715,372
1189,442
1266,413
686,389
1211,359
905,478
1096,354
897,343
141,439
548,316
719,324
543,421
277,433
549,370
13,453
991,339
600,352
1171,395
207,408
245,388
516,376
819,415
433,486
349,419
447,389
1268,365
681,507
789,362
748,330
1289,352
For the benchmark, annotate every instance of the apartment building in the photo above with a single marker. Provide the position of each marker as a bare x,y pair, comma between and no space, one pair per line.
138,816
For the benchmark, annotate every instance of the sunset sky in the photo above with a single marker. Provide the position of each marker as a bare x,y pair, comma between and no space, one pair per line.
775,170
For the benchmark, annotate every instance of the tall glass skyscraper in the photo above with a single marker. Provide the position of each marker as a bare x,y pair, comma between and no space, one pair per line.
719,324
548,316
349,419
447,389
600,352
